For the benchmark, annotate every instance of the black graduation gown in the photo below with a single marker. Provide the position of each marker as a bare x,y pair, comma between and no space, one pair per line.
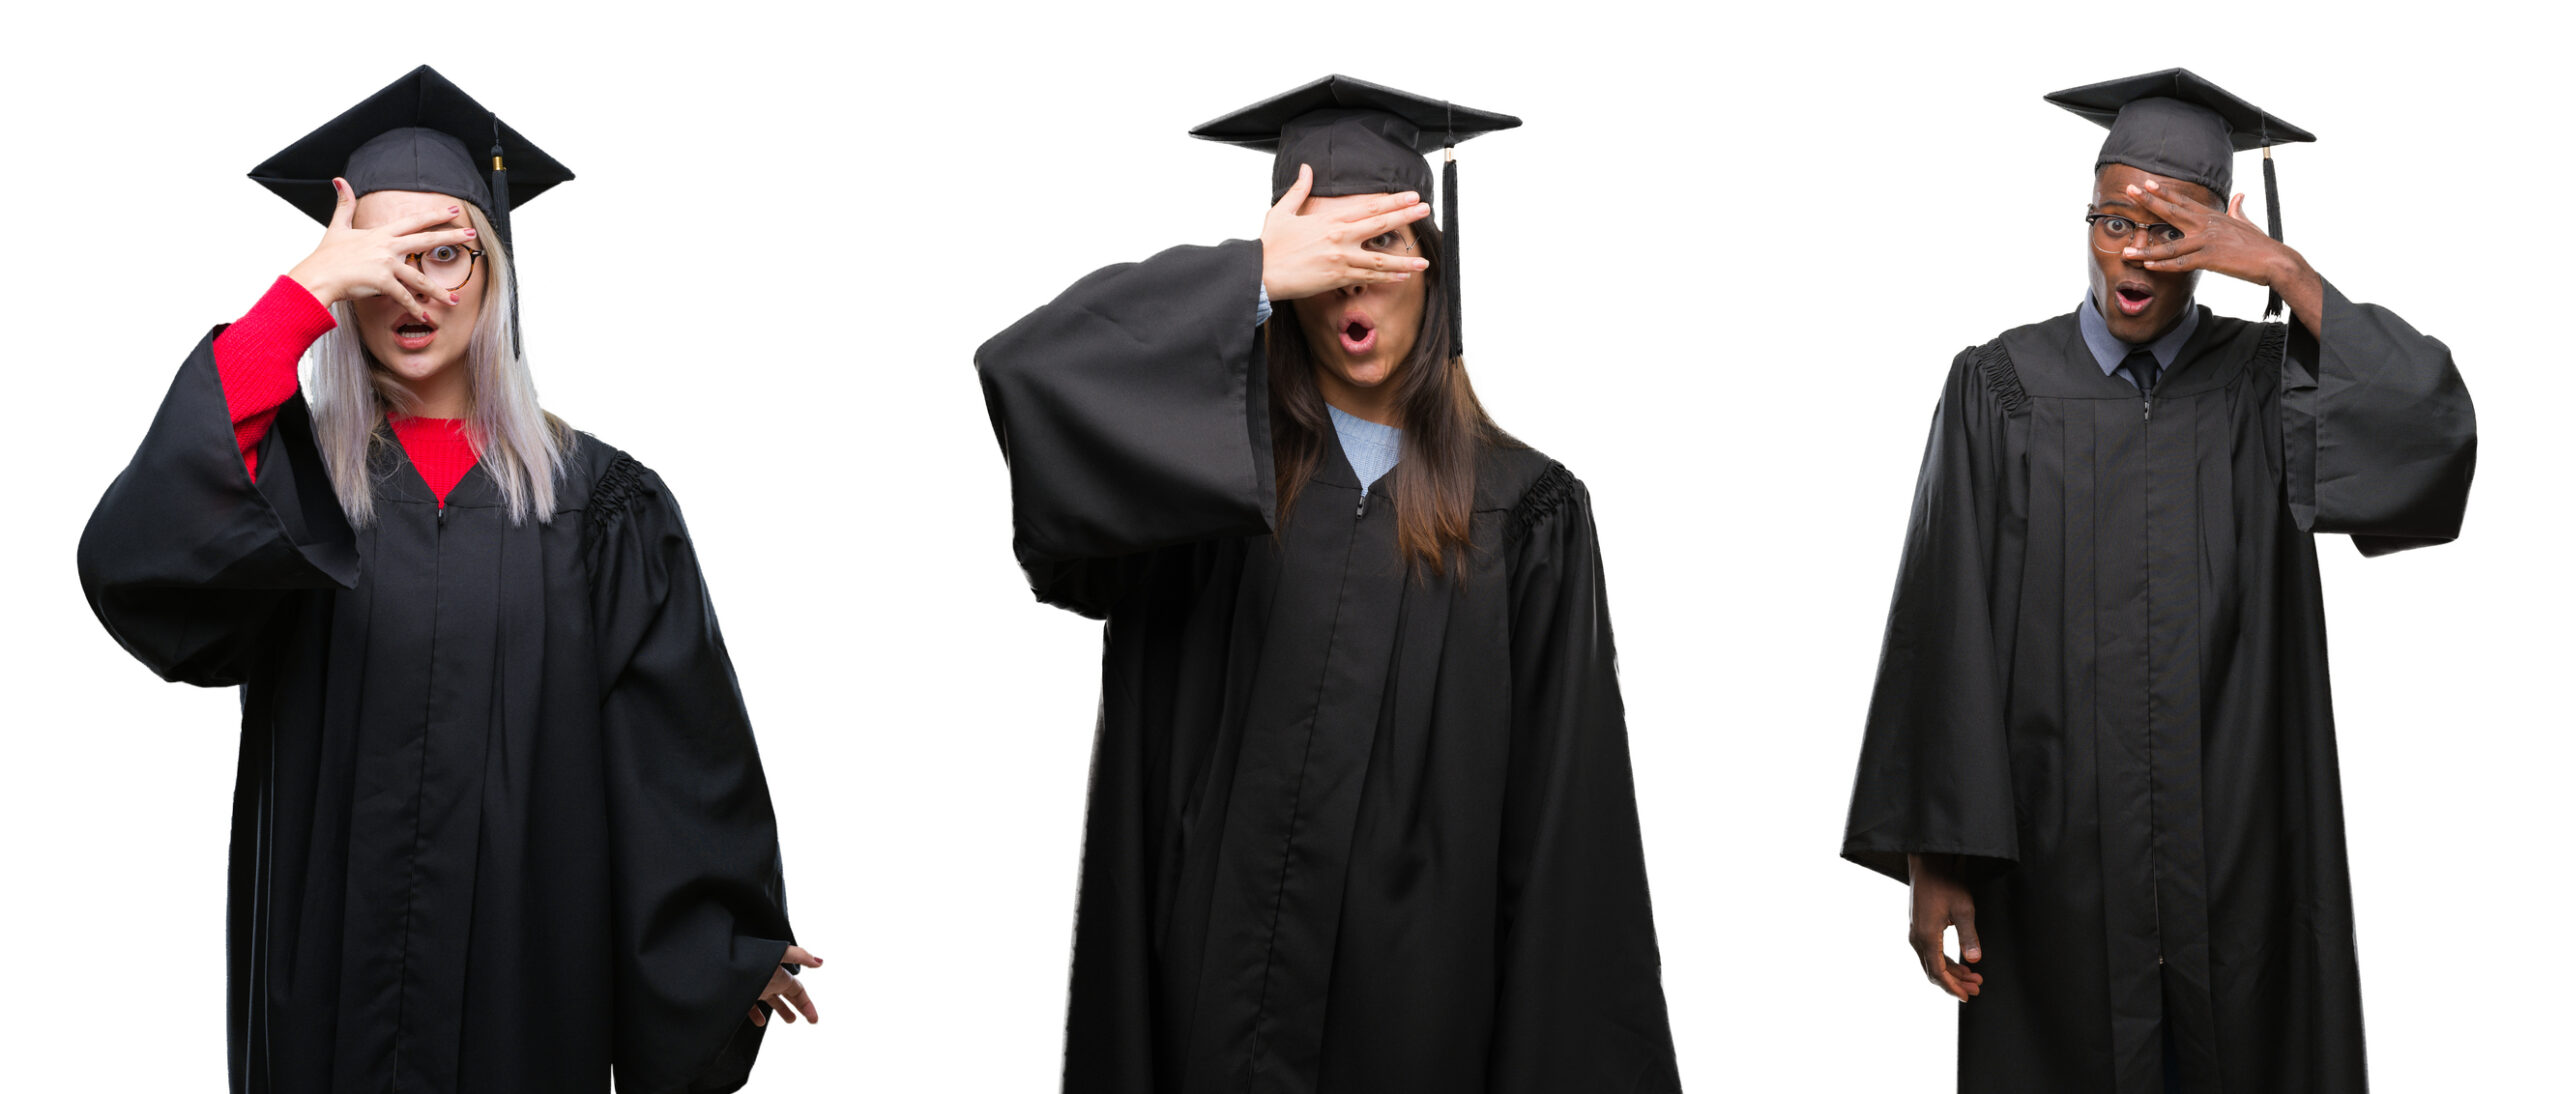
499,820
2105,679
1349,829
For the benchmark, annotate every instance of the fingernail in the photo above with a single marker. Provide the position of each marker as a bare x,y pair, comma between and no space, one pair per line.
453,298
453,208
471,233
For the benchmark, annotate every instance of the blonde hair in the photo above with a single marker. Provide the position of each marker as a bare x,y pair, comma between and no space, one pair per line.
524,449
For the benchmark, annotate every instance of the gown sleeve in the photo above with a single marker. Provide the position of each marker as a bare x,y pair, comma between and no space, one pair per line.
698,914
1581,1004
1933,774
187,557
2379,437
1133,414
257,357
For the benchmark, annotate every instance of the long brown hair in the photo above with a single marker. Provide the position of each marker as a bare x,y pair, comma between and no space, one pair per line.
1444,426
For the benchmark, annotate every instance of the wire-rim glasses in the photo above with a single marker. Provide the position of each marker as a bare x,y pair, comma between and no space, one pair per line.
2108,228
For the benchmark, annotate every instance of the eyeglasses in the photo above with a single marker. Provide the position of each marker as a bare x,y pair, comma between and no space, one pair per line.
447,267
2107,228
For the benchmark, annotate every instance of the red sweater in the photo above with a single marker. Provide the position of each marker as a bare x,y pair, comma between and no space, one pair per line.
256,357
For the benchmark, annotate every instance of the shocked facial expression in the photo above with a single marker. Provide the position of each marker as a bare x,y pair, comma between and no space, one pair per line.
2139,305
418,350
1362,333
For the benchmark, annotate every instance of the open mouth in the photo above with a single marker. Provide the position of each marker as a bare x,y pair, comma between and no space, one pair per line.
1358,334
2132,298
414,334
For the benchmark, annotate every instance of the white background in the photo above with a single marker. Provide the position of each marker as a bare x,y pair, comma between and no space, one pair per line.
1720,273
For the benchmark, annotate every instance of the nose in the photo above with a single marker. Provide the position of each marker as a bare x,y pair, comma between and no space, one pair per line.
434,299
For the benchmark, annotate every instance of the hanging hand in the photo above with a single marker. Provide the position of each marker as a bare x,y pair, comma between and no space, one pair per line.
353,262
784,992
1940,899
2224,241
1306,255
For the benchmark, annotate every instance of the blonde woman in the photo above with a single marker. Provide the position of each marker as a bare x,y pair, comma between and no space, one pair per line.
500,824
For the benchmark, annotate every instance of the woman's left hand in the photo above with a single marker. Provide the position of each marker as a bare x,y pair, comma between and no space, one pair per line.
784,993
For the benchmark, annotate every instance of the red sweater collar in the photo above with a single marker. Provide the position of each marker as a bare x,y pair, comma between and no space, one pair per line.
439,447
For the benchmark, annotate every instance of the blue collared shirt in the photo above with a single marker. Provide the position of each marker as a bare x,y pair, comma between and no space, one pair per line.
1371,447
2111,352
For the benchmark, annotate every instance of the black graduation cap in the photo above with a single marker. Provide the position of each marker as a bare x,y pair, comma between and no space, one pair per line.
1363,138
2176,124
420,133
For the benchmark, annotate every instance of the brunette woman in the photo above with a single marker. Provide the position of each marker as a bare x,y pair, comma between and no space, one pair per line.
1362,816
500,823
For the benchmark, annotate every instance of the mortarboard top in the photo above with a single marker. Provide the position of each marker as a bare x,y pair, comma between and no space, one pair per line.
420,133
2176,124
1363,138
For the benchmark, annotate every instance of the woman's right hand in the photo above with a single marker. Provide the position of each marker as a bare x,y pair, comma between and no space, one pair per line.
1306,255
353,262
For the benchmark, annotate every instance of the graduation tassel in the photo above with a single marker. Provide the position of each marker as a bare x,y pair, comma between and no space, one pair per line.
498,219
2275,219
1449,242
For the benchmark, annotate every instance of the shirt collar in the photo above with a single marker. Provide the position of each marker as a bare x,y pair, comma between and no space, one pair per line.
2111,351
1362,430
1371,447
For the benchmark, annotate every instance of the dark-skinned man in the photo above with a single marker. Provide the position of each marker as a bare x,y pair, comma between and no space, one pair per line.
2101,745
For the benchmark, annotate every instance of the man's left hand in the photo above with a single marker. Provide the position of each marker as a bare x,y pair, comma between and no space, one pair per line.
2226,242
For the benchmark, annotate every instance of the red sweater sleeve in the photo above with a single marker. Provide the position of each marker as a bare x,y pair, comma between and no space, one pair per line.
256,357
